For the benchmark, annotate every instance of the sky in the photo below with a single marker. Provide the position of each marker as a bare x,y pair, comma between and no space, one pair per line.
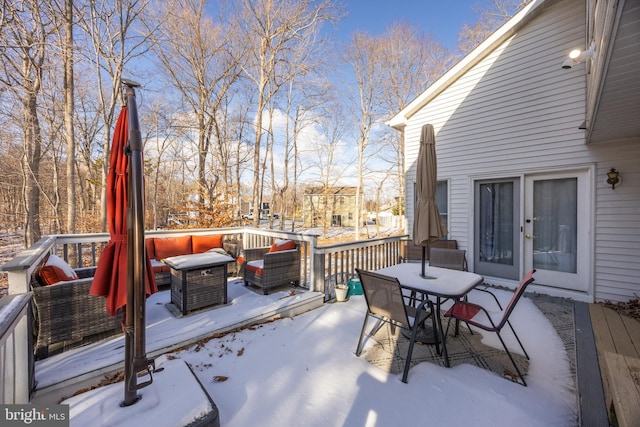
443,19
302,371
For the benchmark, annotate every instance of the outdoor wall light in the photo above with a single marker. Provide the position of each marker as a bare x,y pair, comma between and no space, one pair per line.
578,56
613,178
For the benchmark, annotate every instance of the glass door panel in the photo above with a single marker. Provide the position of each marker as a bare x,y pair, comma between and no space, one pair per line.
497,228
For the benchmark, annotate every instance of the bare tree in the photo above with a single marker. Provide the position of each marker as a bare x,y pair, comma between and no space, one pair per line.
112,44
161,134
491,17
270,28
25,37
364,56
414,60
66,40
194,52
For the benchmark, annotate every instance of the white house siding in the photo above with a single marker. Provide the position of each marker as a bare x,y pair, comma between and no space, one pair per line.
617,227
518,112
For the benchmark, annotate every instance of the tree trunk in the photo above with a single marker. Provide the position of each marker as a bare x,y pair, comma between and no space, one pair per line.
68,117
31,171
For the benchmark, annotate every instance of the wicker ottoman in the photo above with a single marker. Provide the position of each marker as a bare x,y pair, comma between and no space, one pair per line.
198,280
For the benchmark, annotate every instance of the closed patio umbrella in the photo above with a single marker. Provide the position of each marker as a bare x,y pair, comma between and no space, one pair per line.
428,226
110,279
124,275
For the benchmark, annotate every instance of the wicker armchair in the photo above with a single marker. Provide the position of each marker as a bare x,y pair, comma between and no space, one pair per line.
67,312
274,269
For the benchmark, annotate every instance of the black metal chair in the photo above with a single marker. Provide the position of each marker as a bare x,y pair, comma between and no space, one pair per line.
454,259
386,302
466,311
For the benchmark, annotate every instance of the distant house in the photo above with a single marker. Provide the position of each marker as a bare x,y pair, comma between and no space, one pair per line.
329,206
525,139
247,210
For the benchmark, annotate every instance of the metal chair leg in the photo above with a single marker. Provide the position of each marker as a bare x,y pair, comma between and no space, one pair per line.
512,359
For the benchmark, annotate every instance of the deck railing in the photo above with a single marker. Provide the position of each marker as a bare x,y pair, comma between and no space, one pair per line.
336,263
16,350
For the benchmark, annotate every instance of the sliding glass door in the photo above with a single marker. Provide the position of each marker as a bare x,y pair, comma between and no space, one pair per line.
497,228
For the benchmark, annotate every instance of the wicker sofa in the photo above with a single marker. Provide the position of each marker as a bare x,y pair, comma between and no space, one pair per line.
159,248
65,312
268,267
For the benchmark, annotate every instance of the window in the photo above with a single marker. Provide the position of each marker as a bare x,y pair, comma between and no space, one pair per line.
442,200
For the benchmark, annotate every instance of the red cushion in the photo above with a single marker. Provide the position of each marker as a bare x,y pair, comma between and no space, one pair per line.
254,269
282,245
202,244
149,244
56,270
463,310
172,246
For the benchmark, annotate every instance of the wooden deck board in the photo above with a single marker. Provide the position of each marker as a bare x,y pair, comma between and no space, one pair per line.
617,341
601,328
603,342
633,329
619,333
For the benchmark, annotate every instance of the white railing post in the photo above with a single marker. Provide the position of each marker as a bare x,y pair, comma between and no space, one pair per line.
316,273
16,360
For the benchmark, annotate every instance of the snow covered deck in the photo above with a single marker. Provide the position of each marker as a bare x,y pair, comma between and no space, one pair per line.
61,375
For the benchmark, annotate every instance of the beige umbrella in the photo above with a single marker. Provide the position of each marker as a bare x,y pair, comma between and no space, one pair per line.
427,223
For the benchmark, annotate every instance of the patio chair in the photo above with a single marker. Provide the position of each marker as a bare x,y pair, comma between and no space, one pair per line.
385,302
478,316
413,253
278,265
454,259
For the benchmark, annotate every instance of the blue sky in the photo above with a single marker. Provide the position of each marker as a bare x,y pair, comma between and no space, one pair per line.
442,18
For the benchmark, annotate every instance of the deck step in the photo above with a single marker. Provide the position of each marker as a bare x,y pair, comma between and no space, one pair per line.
617,341
624,372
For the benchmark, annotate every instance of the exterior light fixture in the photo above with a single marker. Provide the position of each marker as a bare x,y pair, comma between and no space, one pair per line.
613,178
578,56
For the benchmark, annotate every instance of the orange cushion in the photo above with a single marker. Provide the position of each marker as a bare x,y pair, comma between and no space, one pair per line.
172,246
56,270
255,267
202,244
282,245
149,244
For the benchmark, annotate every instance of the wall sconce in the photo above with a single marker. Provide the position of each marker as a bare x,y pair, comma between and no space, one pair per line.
613,178
578,56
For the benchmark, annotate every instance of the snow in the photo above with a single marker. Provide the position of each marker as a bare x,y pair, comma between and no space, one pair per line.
302,371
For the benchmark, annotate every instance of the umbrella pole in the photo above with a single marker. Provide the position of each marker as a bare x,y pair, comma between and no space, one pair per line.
135,353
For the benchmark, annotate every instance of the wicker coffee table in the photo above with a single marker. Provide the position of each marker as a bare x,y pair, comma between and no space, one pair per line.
198,280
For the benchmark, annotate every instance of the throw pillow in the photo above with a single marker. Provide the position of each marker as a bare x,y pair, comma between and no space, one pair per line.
282,245
204,243
56,270
172,246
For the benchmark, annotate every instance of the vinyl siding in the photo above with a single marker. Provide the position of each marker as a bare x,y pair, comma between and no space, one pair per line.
518,112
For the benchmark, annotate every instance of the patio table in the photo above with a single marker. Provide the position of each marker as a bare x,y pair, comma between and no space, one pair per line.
198,280
441,283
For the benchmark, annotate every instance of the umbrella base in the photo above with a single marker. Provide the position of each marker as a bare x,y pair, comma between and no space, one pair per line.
187,397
